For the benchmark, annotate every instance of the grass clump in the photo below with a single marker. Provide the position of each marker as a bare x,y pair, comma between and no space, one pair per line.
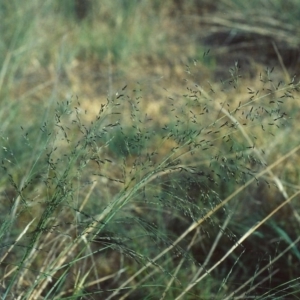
184,187
124,206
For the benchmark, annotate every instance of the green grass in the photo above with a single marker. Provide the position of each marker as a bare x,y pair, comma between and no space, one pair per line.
145,193
174,188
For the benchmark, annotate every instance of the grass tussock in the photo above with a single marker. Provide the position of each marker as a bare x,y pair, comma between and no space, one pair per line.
172,184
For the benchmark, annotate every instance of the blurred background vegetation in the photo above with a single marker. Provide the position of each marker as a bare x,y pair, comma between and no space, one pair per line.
54,50
90,48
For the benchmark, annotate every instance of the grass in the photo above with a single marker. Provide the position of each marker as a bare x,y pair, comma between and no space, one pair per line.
182,187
